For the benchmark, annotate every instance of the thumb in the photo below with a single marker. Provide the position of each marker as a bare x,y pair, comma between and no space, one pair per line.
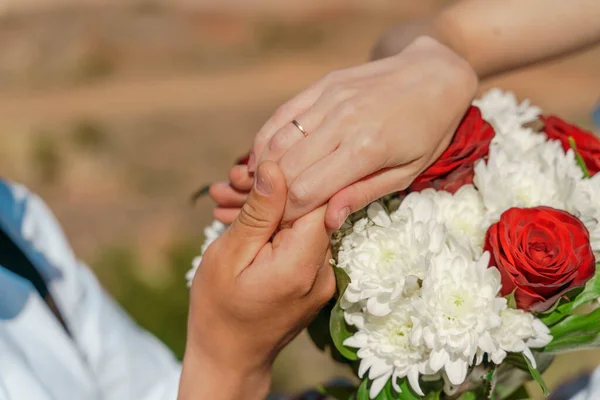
259,217
360,194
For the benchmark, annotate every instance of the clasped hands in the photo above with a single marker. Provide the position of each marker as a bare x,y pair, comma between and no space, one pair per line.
371,130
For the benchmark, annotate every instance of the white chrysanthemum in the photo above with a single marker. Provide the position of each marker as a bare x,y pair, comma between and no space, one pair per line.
462,213
583,203
508,117
504,113
545,176
385,256
211,233
354,313
518,142
386,350
457,310
519,332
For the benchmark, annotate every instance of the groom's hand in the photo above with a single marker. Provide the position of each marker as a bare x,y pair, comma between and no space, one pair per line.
255,290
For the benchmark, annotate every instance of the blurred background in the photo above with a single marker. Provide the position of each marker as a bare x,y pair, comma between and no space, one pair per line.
116,111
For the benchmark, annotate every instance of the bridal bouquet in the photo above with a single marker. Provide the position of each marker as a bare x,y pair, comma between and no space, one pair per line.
466,285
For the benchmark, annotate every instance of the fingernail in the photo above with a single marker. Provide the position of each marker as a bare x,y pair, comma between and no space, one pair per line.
251,162
263,183
343,214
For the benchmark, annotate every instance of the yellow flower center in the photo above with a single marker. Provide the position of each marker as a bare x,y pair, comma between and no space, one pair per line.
458,300
399,334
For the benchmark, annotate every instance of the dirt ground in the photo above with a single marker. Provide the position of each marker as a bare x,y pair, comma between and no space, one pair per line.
115,115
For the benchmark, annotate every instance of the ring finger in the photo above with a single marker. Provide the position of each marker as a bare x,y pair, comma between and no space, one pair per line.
291,134
310,122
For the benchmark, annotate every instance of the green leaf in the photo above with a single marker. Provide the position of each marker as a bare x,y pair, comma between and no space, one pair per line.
363,390
468,396
435,387
338,329
590,292
338,393
388,392
339,332
575,332
433,396
580,161
408,394
574,342
318,331
490,380
342,279
512,302
589,323
535,374
543,361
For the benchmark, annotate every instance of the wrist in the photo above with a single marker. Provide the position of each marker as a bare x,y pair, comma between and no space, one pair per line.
202,377
449,32
395,40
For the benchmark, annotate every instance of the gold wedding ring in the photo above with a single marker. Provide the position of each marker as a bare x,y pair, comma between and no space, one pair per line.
300,127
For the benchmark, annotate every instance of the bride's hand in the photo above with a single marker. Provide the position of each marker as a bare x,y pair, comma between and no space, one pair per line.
252,295
370,129
231,196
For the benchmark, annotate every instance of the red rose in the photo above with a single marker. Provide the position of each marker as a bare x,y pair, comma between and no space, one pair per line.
541,253
461,176
588,145
470,143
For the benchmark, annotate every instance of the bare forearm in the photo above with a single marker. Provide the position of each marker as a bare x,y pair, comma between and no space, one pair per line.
500,35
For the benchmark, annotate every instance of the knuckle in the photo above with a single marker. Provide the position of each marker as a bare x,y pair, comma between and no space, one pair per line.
369,147
301,285
258,147
278,141
361,198
339,93
281,112
347,109
357,197
426,41
404,183
253,217
298,194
